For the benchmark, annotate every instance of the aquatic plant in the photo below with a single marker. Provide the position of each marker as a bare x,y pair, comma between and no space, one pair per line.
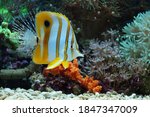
8,39
5,14
135,42
9,44
104,62
135,45
73,73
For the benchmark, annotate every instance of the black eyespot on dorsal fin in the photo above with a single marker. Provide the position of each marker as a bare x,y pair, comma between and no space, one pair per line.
46,23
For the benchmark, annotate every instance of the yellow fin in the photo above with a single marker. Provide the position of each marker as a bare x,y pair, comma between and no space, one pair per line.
65,64
56,62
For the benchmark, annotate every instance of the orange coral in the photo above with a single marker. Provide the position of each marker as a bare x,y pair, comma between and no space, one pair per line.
73,73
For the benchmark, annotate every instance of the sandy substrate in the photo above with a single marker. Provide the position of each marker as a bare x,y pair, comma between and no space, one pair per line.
22,94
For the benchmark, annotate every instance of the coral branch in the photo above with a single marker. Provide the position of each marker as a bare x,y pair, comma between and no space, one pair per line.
11,74
73,73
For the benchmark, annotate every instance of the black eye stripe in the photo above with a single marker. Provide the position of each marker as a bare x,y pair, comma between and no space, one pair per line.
46,23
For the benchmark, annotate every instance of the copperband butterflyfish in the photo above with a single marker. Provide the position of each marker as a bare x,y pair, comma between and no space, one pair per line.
56,40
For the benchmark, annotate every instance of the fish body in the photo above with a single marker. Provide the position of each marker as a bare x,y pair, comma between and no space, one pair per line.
56,40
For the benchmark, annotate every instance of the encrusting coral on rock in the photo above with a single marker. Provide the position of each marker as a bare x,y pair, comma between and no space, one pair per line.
73,73
8,39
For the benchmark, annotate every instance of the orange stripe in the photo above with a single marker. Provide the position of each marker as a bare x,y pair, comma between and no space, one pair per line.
72,41
45,43
58,37
66,42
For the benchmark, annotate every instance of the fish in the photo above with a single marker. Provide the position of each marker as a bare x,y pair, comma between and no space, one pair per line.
57,44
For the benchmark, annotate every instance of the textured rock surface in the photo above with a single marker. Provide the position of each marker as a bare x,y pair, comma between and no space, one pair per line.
22,94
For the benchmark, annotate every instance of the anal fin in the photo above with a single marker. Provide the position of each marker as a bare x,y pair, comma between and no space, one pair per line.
65,64
56,62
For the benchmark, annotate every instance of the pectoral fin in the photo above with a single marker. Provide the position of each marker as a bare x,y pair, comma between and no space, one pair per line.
56,62
65,64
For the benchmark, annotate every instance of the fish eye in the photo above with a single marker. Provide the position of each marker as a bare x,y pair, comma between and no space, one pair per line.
46,23
37,39
71,46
